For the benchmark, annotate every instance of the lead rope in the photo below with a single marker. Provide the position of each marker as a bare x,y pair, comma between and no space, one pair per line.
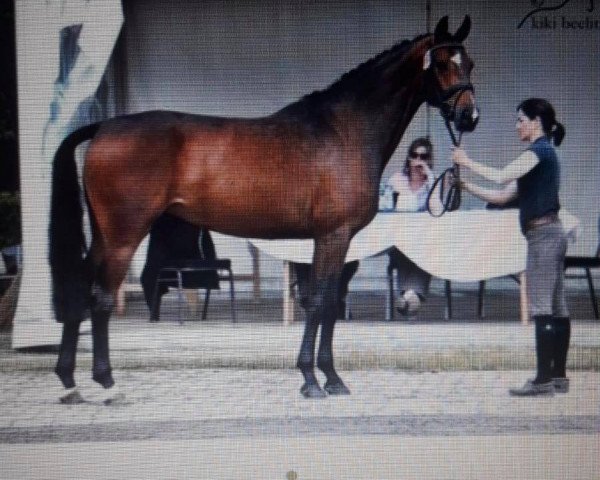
451,201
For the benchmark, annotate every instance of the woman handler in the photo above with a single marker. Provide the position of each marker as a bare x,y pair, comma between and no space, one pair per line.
534,179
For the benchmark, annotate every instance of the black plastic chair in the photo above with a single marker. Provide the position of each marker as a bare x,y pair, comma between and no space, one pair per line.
586,264
173,276
448,291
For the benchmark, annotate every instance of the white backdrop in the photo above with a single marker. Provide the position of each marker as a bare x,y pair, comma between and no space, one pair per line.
48,110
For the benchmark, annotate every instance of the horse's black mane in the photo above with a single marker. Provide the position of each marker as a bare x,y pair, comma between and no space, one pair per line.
364,77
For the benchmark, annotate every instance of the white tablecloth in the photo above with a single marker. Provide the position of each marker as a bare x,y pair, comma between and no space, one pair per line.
466,245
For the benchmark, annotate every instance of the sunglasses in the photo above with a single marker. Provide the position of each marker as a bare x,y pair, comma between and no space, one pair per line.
422,156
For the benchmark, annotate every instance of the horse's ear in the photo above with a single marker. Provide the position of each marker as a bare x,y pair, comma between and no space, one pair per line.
463,30
440,33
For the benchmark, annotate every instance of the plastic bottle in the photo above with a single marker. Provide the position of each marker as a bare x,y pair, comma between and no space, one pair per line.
386,198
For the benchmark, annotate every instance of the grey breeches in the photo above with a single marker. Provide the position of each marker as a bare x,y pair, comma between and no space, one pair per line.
546,249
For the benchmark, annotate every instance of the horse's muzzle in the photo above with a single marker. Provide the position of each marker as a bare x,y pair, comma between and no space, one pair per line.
466,119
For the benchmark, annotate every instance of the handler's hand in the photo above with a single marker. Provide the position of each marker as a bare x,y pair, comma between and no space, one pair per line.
460,157
457,182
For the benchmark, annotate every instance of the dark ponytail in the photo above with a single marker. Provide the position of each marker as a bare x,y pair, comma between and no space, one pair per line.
558,133
539,107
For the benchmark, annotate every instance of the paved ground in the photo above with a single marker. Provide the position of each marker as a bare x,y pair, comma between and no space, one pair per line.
203,403
317,458
215,400
230,423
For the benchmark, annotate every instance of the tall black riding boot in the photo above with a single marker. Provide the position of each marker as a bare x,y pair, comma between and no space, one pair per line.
545,335
562,327
543,383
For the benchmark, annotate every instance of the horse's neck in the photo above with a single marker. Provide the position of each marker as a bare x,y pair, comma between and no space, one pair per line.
394,123
385,127
387,113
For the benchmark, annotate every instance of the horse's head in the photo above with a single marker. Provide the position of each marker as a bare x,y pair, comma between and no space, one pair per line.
448,71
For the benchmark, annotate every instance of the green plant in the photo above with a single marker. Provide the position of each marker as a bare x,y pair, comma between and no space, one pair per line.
10,219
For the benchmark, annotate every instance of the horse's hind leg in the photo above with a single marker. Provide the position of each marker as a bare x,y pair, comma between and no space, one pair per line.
65,366
111,268
78,300
101,311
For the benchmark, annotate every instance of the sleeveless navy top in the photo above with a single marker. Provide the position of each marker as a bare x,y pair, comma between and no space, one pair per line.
538,188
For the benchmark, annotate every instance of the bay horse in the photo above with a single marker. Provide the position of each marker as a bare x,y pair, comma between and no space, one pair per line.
309,170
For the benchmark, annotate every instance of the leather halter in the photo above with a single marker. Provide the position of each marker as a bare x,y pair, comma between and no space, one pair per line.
447,99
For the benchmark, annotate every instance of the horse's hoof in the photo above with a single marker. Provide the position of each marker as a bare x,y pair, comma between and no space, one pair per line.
337,388
104,378
311,390
72,398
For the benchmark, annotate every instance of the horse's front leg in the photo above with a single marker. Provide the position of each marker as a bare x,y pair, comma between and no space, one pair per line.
306,357
334,384
321,309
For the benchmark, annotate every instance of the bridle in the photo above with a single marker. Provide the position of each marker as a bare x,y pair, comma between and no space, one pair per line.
447,100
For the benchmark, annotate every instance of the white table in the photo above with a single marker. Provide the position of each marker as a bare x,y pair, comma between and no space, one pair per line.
463,246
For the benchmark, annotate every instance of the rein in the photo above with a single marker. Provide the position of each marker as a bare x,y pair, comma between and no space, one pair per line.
451,201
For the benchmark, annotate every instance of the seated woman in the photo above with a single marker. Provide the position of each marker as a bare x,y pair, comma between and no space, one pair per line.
412,186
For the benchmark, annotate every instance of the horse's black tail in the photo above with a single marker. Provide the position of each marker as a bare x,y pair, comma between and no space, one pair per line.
71,274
